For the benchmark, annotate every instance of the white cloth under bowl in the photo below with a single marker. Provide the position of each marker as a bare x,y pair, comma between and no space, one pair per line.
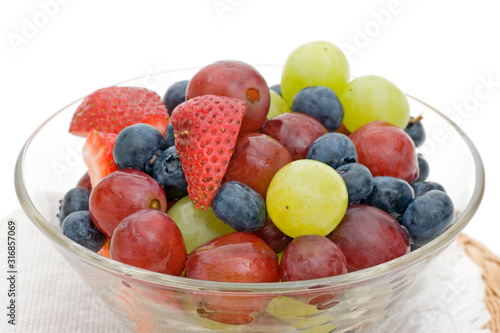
51,297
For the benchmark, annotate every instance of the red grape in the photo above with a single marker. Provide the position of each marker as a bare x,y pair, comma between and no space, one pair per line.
273,236
296,131
122,193
84,181
234,257
368,236
149,239
343,130
239,308
256,159
386,150
234,79
312,257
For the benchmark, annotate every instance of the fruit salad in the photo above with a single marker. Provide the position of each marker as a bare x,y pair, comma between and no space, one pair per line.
227,177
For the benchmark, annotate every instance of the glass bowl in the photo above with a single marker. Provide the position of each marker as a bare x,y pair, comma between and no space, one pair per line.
50,163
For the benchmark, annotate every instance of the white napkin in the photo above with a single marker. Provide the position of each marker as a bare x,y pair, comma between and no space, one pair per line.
448,297
51,297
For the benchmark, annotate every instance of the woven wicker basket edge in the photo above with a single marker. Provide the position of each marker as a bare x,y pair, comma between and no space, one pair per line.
490,266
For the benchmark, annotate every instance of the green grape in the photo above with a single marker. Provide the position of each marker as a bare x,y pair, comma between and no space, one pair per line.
370,98
306,197
318,63
280,255
197,226
290,309
277,106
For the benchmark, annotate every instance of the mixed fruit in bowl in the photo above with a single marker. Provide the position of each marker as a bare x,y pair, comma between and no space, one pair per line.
340,164
224,178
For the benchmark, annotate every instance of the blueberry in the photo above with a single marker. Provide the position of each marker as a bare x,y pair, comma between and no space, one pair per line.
239,206
390,194
427,216
175,95
79,227
276,88
322,103
423,187
416,131
168,172
334,149
358,181
137,146
423,167
169,135
74,200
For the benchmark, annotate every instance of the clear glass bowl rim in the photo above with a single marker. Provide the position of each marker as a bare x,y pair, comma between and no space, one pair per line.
130,272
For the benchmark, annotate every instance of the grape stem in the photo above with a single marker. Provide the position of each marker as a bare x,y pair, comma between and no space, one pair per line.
417,119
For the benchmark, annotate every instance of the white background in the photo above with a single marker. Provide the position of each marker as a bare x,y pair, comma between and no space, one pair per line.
54,52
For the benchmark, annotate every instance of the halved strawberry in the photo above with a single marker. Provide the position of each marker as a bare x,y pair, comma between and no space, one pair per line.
111,109
98,155
205,131
104,251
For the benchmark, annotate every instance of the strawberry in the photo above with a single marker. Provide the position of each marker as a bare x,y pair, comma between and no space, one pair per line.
104,251
111,109
205,131
98,155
